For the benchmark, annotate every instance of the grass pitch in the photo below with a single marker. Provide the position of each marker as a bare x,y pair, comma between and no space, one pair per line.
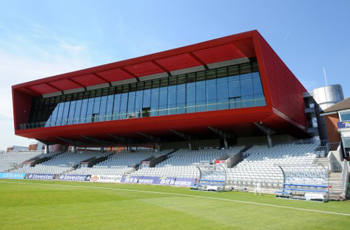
74,205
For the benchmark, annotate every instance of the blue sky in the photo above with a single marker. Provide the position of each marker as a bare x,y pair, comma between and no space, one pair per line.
43,38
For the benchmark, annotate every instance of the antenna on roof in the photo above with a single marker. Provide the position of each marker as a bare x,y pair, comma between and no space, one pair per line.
325,76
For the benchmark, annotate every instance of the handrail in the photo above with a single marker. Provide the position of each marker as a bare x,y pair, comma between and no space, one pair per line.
345,178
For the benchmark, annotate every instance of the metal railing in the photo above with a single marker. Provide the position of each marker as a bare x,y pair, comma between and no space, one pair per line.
147,113
335,166
345,177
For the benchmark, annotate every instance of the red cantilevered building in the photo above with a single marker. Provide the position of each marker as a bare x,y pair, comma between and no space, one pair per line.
233,89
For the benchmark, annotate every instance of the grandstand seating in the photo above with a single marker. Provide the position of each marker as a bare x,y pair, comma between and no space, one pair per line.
261,164
10,159
182,163
118,164
61,163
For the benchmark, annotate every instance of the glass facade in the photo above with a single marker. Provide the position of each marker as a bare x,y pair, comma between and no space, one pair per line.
344,115
231,87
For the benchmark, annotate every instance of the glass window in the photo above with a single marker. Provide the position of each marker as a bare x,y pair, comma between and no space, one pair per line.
191,92
77,112
222,89
200,93
84,107
97,104
154,102
257,84
103,108
344,116
131,105
54,116
66,112
234,88
163,101
163,96
172,95
147,98
222,72
90,109
235,103
259,100
215,89
211,92
200,98
116,107
109,107
245,68
248,101
60,113
71,112
233,70
211,74
246,84
138,103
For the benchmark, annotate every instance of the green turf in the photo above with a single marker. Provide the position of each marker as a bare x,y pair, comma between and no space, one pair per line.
28,205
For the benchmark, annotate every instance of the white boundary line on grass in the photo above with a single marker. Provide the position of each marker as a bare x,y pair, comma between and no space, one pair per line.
184,195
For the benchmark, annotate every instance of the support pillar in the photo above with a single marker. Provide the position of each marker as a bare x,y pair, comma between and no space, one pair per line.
75,149
269,141
190,145
226,143
47,148
102,149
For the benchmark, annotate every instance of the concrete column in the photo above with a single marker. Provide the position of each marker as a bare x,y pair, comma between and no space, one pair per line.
225,143
47,148
75,149
269,141
190,145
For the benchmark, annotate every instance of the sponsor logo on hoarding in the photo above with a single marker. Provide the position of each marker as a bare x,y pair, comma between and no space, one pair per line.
167,180
129,179
34,176
148,180
75,177
94,178
184,182
343,124
12,175
105,178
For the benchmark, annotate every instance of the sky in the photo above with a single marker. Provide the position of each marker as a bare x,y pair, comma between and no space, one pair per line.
44,38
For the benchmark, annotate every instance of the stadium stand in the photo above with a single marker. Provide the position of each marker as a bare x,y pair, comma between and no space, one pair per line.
182,163
118,164
11,160
61,163
261,165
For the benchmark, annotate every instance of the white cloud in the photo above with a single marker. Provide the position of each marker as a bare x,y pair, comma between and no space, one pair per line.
25,57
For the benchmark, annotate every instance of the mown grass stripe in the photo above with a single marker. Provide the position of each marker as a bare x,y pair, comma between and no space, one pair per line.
184,195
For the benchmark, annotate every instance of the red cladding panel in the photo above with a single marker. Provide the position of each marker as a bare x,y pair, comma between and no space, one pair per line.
246,47
115,75
219,54
43,89
182,61
89,80
144,69
65,84
22,103
285,89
